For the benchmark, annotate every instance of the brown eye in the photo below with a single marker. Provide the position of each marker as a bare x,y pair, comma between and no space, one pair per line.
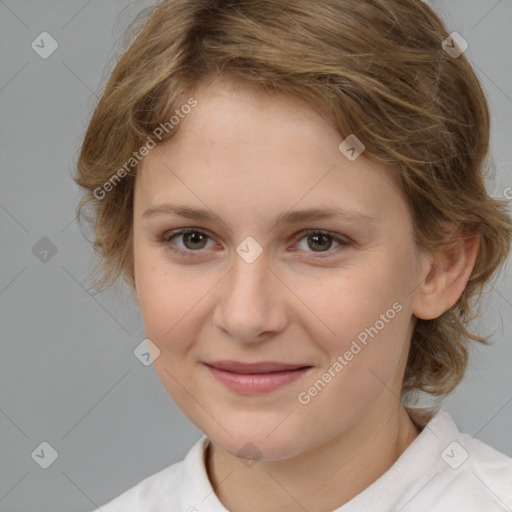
193,240
321,242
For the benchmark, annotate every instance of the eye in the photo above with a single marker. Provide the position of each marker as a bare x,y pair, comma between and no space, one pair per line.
321,241
194,240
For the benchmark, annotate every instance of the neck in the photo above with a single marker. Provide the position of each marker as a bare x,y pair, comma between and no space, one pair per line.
323,478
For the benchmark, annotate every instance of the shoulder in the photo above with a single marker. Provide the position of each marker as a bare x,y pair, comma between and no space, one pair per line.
468,474
165,488
488,469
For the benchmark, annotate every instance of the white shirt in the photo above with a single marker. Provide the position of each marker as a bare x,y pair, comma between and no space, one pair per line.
442,470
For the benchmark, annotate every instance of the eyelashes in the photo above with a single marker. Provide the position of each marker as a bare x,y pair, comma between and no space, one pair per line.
319,236
167,240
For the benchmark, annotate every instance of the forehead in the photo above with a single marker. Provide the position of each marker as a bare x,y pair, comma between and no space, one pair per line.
240,147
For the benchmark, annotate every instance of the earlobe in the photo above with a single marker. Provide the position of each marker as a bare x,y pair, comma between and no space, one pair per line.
446,276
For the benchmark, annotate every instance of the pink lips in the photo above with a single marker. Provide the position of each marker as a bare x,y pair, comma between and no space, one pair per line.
255,378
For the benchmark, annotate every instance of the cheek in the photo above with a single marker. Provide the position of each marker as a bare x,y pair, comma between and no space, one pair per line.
175,303
363,362
171,307
361,318
162,296
341,305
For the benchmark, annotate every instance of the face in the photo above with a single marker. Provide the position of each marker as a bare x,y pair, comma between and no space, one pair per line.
331,294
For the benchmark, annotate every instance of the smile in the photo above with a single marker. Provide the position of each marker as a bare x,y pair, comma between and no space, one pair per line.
261,381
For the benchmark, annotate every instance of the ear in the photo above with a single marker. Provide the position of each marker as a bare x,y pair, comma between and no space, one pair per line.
446,275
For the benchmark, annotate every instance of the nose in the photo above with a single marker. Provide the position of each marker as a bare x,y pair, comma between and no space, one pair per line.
251,306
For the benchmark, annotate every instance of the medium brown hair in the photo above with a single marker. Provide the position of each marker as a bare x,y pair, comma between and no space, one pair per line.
374,68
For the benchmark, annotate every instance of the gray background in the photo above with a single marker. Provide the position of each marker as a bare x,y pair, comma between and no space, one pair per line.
68,375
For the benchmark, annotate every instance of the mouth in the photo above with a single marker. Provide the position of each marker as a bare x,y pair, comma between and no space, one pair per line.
255,368
256,378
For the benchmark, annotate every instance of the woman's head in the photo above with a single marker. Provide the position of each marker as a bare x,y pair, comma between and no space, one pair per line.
239,109
253,284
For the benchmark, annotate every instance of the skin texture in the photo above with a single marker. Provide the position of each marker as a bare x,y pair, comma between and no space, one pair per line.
248,157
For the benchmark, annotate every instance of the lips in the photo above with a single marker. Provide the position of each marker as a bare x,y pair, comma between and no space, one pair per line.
255,368
256,378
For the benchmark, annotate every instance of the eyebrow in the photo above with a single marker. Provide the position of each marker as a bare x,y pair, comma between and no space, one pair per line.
290,217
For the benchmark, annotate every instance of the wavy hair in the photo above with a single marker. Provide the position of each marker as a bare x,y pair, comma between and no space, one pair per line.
375,68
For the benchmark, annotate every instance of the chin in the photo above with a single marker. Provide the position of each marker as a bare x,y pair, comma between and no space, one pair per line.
256,443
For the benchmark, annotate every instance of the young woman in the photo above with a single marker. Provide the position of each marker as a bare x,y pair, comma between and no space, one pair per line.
294,191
